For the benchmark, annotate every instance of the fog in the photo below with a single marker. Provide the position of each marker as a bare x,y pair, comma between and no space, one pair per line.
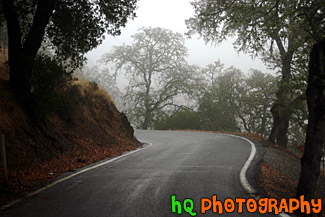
171,14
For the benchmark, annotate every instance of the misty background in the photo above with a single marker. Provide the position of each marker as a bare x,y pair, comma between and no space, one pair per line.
171,14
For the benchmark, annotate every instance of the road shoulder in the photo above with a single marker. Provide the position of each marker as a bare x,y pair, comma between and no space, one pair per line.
274,173
17,198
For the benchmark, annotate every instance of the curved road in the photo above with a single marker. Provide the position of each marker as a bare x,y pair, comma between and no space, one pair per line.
185,164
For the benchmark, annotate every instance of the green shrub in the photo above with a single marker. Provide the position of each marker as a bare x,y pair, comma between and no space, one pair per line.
183,119
48,81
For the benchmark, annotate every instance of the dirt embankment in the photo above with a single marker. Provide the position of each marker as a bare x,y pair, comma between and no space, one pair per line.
88,130
279,175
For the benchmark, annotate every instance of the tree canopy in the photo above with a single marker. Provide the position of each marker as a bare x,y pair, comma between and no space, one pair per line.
279,32
156,69
68,28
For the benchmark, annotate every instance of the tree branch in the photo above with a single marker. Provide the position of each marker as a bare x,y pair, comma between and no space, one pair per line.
41,19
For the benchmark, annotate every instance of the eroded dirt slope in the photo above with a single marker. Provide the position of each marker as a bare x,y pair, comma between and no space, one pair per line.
88,130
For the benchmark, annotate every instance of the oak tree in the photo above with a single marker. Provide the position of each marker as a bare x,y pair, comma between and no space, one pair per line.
70,28
157,71
255,102
278,31
217,107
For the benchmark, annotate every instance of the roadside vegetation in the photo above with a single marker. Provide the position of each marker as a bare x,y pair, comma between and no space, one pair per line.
50,117
54,122
81,128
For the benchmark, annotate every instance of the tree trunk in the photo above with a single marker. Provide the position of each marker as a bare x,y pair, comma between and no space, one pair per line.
145,123
281,111
147,120
315,138
147,113
263,125
20,73
22,54
280,125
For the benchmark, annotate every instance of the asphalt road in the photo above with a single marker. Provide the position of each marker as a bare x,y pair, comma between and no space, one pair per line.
185,164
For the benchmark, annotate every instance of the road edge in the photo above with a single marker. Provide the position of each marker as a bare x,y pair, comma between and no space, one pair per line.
243,178
85,169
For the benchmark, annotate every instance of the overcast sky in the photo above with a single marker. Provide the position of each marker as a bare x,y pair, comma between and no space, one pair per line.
171,14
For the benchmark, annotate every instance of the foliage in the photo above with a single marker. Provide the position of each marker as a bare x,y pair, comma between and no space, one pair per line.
218,106
48,80
255,103
67,28
82,24
75,27
157,72
182,119
227,100
39,152
105,80
259,25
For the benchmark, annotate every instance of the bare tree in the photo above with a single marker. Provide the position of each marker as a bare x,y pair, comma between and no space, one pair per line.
157,71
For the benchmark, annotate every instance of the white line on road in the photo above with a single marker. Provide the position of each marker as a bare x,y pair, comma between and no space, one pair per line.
75,174
243,178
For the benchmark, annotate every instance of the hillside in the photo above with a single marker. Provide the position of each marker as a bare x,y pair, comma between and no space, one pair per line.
88,129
